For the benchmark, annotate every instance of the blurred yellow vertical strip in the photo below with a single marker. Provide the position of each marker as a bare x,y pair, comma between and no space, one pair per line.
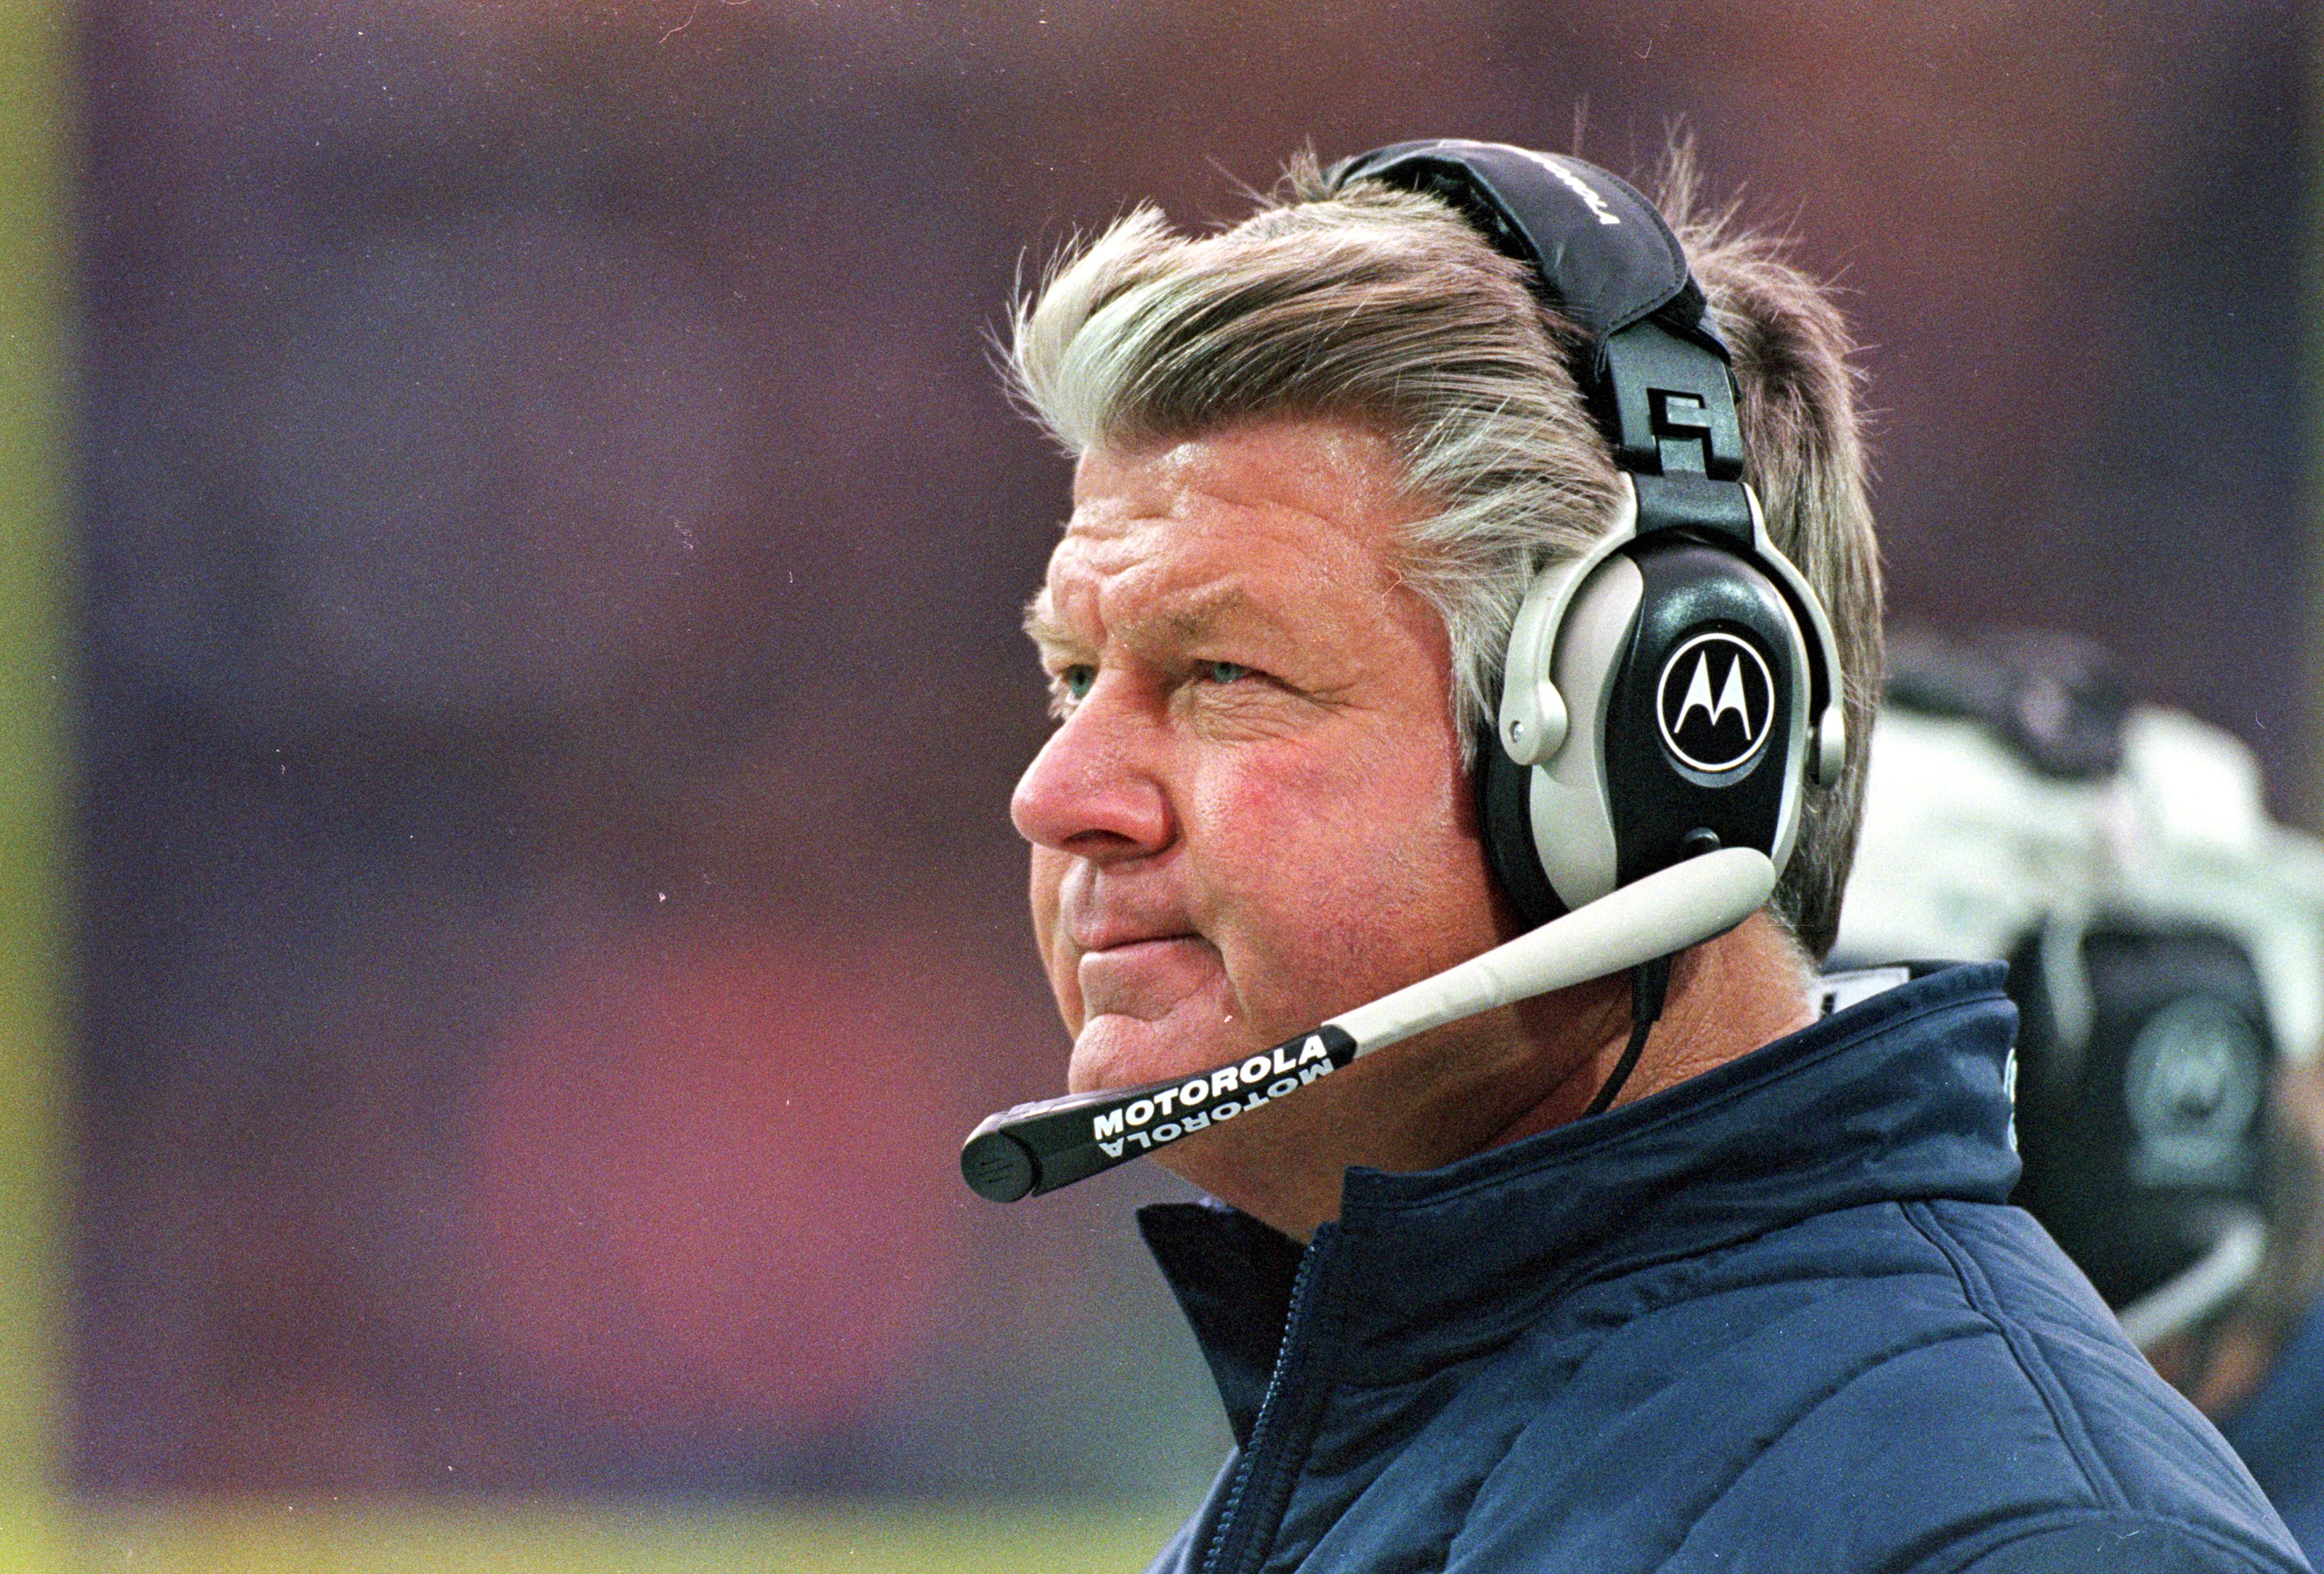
2312,345
35,763
2311,332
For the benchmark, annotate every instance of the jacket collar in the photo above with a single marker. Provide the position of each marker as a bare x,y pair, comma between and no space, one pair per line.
1901,1096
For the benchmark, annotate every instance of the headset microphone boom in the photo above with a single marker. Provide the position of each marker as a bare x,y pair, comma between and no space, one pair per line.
1042,1146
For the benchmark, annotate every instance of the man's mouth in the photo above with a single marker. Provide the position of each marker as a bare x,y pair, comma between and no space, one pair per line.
1144,974
1131,945
1092,935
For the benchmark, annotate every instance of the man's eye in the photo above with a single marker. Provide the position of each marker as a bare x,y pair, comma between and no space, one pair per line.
1224,671
1075,681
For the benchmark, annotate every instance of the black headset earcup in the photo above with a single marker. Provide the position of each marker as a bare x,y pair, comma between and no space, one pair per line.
1694,706
2141,1099
1705,725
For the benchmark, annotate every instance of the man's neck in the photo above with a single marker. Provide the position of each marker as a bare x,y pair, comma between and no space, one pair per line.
1727,996
1495,1080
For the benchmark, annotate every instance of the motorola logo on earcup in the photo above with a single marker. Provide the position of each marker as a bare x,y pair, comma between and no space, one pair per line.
2197,1072
1715,702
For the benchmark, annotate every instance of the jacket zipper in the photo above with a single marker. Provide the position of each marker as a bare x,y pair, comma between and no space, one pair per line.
1258,1477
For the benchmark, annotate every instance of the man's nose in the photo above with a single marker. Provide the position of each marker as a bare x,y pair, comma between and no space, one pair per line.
1095,789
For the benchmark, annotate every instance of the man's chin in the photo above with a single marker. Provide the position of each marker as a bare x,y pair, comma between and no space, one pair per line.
1239,1162
1114,1050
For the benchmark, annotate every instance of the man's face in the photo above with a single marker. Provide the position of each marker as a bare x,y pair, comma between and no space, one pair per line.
1252,814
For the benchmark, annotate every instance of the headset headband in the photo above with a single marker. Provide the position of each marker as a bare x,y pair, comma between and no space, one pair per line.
1600,245
1655,374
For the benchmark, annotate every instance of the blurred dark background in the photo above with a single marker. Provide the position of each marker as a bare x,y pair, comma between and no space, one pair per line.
551,547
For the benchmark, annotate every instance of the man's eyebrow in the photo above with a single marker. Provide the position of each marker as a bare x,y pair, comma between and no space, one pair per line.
1193,617
1200,615
1042,626
1190,619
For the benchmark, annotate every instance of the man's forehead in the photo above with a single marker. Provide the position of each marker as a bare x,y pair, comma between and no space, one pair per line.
1320,465
1241,527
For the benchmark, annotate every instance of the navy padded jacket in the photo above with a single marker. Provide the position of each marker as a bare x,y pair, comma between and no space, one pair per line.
2279,1433
1777,1319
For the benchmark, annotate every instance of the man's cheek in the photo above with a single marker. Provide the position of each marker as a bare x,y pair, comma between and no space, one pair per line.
1346,921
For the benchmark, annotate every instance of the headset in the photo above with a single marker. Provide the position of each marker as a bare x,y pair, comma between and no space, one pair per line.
1666,697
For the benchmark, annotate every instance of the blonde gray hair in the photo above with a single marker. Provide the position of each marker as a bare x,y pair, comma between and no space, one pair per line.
1387,307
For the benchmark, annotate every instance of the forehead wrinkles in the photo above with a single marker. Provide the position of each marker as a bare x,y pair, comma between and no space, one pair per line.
1172,583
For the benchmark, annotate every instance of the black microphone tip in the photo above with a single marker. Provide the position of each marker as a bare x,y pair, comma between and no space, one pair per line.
998,1167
